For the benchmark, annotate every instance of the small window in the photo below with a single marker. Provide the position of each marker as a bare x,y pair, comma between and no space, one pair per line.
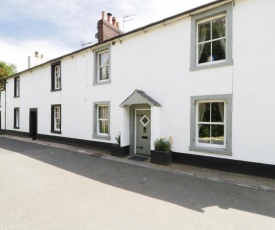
16,86
16,118
0,101
211,124
56,76
102,66
211,38
102,120
56,119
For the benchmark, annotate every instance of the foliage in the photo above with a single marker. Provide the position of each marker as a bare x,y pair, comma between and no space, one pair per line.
118,139
163,144
6,69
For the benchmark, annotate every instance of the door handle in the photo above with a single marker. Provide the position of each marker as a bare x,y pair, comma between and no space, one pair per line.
139,147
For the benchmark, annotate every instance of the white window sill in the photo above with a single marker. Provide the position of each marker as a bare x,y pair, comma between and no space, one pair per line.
103,137
220,151
102,82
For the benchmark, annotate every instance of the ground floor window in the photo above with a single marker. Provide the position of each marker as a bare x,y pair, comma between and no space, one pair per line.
211,124
16,118
101,120
56,119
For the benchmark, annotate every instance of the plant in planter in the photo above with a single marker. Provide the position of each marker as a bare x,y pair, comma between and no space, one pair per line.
162,154
119,151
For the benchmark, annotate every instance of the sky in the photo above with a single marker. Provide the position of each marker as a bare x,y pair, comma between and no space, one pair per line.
54,28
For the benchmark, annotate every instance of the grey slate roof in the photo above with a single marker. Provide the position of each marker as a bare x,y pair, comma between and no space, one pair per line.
139,97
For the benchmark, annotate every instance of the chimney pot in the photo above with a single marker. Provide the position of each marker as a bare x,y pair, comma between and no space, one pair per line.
117,25
104,16
109,16
42,56
114,21
36,54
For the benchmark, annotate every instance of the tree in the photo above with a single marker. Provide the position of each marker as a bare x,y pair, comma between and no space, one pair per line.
5,71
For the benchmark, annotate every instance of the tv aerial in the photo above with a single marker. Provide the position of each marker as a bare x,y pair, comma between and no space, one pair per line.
127,18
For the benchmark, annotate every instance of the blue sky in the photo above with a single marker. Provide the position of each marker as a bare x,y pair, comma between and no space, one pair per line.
55,28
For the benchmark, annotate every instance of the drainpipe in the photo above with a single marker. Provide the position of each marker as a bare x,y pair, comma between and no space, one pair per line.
5,104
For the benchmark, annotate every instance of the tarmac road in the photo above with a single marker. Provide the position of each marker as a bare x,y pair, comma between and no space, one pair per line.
42,187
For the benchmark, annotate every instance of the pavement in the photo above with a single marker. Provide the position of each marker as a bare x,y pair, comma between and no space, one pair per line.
205,173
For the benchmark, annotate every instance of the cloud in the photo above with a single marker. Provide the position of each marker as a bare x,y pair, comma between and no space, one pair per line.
17,53
57,27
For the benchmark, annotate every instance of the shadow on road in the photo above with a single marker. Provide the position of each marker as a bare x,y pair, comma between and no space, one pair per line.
186,191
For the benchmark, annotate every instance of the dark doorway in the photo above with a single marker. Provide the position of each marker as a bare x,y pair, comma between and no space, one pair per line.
33,123
0,121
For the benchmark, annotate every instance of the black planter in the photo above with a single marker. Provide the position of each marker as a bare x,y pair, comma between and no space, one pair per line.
161,157
120,151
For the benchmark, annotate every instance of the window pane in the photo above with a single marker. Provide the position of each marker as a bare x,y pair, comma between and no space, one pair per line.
104,73
217,134
217,112
218,28
204,112
103,127
103,112
204,134
204,52
104,59
218,50
204,32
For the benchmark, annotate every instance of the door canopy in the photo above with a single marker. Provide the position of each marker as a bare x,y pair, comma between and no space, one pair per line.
139,97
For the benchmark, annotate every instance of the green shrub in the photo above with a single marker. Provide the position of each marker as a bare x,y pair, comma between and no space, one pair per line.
163,144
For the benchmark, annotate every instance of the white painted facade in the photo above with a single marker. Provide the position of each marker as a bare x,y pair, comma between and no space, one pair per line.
157,61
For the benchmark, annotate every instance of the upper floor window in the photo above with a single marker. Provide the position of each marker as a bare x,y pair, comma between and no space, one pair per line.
17,86
56,76
211,38
102,66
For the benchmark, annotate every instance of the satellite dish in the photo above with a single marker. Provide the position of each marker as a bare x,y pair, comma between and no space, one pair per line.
96,35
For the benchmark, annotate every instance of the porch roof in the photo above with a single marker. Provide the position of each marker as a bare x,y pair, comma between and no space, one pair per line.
139,97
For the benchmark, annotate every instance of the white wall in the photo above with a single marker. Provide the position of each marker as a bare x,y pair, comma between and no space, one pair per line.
158,63
253,82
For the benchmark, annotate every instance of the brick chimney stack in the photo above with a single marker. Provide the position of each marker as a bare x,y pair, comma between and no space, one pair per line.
107,27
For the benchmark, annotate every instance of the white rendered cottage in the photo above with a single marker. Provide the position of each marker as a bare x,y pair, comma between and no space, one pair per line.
204,77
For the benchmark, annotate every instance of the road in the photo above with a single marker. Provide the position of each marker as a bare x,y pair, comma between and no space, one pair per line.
42,187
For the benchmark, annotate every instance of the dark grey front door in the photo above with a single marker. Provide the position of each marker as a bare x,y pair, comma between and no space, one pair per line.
33,123
143,132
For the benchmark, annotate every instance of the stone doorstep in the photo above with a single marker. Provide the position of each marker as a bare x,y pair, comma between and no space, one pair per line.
204,173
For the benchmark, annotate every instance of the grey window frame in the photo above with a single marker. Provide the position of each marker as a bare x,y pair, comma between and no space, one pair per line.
225,9
95,128
228,137
95,72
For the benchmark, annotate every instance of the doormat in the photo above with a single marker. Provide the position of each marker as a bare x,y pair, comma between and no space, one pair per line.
137,158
